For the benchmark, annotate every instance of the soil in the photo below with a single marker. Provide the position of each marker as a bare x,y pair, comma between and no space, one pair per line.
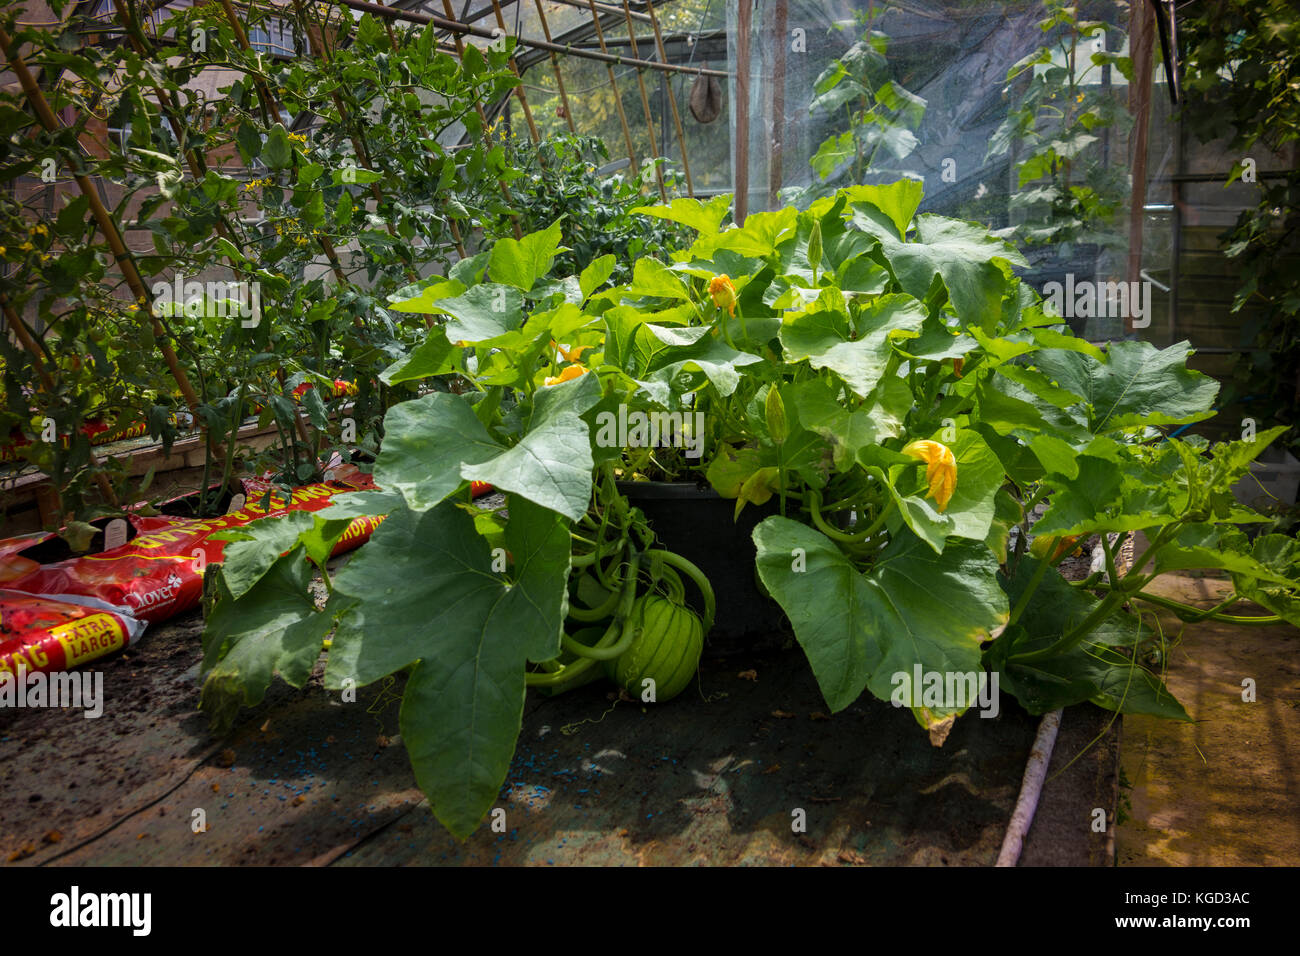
1221,791
721,775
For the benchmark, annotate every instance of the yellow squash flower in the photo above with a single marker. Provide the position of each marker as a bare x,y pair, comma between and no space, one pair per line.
569,374
570,355
940,472
723,293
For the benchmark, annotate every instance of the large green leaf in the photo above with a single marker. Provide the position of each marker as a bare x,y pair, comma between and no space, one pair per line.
757,238
521,262
471,630
426,441
551,465
897,200
1095,670
434,356
914,607
1138,384
707,353
595,275
650,277
979,476
831,153
1008,406
277,151
483,313
1201,545
820,410
705,218
1125,494
421,297
858,355
256,546
1281,555
274,628
970,510
963,254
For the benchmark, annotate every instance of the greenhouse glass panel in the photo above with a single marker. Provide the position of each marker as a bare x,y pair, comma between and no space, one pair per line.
1012,114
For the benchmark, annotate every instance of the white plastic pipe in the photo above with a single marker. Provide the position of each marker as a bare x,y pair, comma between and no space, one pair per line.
1031,787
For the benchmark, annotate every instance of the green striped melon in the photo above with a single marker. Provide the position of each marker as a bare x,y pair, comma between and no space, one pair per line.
667,649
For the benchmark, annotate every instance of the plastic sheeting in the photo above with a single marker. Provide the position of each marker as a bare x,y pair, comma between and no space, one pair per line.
939,71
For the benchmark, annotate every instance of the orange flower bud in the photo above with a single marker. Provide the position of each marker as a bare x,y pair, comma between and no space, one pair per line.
723,293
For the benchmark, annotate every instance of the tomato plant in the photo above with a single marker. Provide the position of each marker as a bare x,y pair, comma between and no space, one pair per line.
324,183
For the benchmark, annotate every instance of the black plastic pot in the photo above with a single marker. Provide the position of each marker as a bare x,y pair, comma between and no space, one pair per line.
698,524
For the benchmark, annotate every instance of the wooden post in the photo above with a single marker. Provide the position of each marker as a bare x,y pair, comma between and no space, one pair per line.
1141,33
106,226
775,172
29,343
514,68
478,108
744,20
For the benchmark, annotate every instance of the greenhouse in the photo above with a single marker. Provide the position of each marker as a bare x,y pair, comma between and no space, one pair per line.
649,433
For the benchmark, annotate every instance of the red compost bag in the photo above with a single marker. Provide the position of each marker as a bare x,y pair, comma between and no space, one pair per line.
158,573
40,632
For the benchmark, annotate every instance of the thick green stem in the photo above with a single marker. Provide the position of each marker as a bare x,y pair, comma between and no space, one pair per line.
835,534
1035,580
621,632
701,582
599,613
559,678
1108,605
1192,615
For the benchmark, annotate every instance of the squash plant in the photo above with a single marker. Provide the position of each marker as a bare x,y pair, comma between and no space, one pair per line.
883,375
910,401
471,603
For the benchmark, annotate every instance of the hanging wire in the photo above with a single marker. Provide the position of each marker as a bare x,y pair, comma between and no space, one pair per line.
589,89
699,32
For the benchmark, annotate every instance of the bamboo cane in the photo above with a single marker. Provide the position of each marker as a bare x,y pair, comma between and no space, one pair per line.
645,102
672,100
316,42
744,19
25,339
555,65
613,85
514,68
272,109
478,106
